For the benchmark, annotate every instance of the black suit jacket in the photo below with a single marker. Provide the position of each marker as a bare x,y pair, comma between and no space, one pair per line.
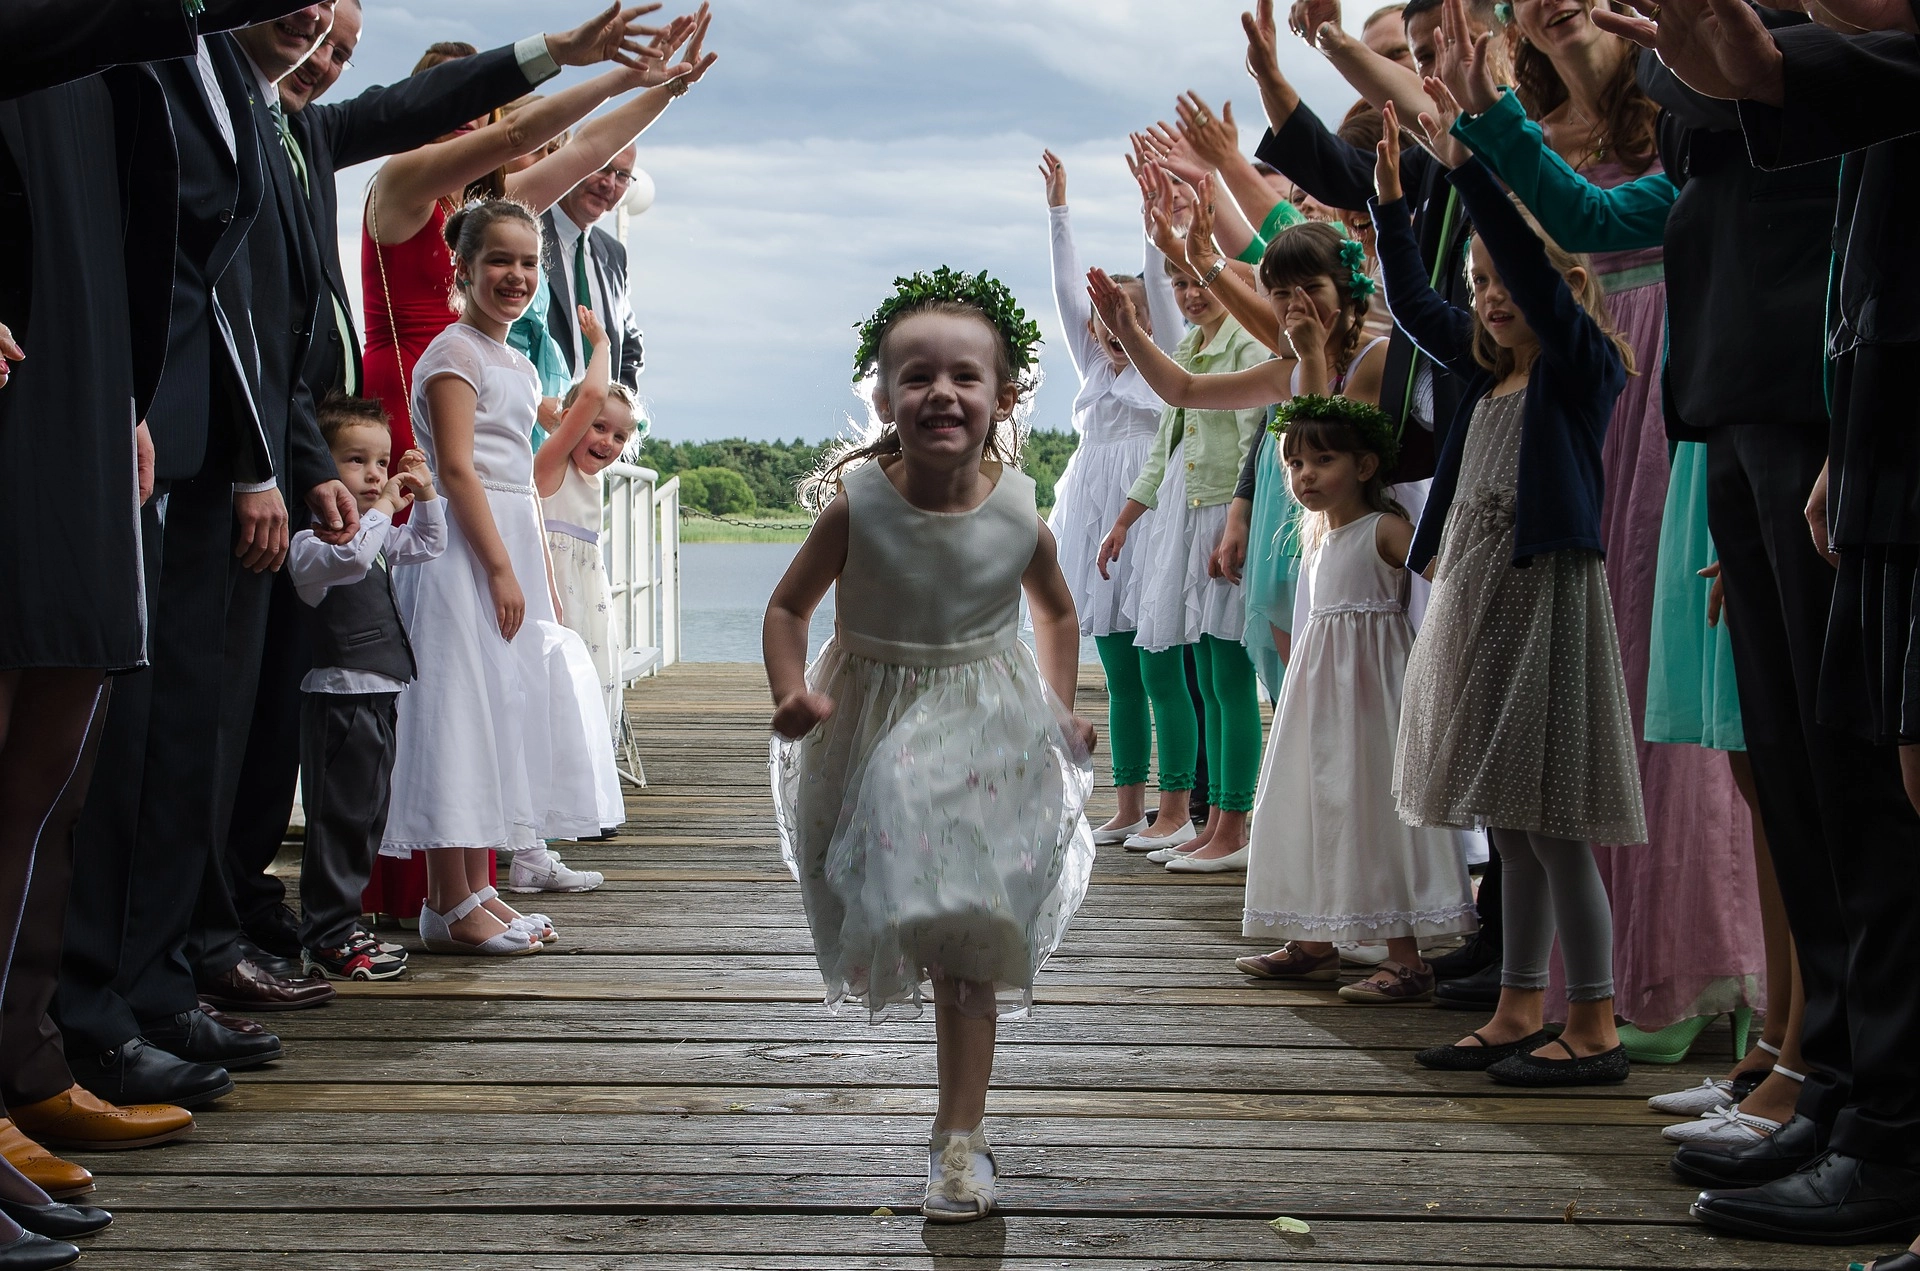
378,123
204,411
48,42
1341,175
608,257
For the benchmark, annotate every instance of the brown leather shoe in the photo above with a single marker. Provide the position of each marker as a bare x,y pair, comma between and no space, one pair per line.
60,1180
250,987
232,1023
76,1119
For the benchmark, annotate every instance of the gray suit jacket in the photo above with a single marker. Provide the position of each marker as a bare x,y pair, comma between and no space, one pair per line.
607,256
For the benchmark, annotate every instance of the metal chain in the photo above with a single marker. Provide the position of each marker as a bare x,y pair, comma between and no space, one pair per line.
750,525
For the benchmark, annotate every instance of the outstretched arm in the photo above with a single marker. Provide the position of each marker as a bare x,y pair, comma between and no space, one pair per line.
1069,287
1443,332
1257,386
551,460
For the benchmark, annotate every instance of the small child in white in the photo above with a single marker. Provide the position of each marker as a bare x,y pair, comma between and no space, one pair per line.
362,663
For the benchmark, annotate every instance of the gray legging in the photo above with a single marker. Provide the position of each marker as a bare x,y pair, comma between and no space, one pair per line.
1549,882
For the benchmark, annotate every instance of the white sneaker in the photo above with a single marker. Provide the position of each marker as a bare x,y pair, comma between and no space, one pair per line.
531,873
1694,1100
1149,842
1727,1127
960,1176
1119,834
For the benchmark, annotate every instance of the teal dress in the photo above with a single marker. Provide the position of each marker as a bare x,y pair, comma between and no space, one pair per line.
1691,695
530,337
1272,571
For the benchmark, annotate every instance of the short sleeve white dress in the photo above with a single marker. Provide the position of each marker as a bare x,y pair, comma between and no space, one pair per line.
498,744
934,821
573,517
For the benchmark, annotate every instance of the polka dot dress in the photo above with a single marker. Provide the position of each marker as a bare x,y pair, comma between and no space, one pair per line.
1515,713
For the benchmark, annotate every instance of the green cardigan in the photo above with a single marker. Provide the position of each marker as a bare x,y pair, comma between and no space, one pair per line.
1216,441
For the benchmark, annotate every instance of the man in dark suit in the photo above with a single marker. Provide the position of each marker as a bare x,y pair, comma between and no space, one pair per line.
314,142
587,266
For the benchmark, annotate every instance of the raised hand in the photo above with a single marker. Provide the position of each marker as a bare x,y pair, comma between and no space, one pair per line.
591,328
1055,174
1215,139
395,495
10,351
697,61
1263,40
1309,17
614,35
1716,54
1201,249
688,29
800,713
1165,226
1386,156
1112,303
1437,125
1176,153
1462,62
417,477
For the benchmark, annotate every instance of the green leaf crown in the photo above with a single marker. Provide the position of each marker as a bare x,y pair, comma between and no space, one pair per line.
1374,425
981,291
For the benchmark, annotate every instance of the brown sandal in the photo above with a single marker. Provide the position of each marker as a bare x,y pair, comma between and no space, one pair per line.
1291,962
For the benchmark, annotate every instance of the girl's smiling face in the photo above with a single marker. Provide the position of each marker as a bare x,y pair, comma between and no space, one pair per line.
500,279
606,438
1196,302
940,385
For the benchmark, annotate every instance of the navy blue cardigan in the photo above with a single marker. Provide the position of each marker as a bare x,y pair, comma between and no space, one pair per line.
1570,391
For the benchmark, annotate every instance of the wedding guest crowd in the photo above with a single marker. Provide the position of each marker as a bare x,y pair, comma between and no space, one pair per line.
181,310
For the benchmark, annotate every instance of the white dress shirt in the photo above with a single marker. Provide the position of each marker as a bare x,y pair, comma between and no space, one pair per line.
316,567
569,235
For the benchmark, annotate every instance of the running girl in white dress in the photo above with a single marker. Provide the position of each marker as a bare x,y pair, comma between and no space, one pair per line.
502,741
927,775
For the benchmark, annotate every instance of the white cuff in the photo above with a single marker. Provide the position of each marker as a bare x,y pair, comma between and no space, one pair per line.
255,487
536,59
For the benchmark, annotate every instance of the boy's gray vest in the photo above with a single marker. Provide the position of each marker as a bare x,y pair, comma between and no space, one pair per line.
357,627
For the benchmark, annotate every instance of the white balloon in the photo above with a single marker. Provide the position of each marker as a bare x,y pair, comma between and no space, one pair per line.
639,194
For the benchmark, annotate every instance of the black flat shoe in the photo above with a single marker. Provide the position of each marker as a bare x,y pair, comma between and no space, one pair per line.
1838,1199
1781,1153
57,1221
197,1038
1608,1068
1477,1058
37,1253
137,1073
1477,992
1477,954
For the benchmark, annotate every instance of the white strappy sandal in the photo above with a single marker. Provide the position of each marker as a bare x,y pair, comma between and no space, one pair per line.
539,927
436,932
960,1176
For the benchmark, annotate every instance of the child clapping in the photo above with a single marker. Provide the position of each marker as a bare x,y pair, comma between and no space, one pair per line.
362,661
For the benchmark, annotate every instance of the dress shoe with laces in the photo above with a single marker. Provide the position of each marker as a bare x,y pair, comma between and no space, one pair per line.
275,930
1837,1199
250,987
62,1180
1786,1150
37,1253
135,1072
196,1038
77,1119
1477,992
58,1221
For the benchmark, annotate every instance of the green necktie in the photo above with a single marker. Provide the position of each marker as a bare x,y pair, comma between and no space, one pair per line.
291,144
582,293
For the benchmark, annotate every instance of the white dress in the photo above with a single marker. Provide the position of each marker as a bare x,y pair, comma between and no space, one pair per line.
573,519
1331,859
934,821
1116,415
498,745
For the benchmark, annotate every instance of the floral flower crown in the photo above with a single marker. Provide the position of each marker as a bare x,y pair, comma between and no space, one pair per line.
980,291
1375,426
1354,257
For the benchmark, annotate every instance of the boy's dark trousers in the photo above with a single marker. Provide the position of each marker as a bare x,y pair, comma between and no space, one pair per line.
346,771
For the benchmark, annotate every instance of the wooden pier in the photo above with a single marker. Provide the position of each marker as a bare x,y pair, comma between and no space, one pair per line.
664,1091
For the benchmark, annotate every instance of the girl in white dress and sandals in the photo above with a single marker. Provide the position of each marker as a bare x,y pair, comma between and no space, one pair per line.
928,776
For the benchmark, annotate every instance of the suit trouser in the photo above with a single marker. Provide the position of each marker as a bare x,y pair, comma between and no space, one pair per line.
1845,842
141,845
346,770
33,1058
271,767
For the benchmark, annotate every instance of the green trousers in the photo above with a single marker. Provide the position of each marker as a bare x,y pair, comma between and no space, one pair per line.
1147,697
1232,697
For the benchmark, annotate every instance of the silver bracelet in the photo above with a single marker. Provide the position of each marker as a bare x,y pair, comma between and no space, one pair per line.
1206,279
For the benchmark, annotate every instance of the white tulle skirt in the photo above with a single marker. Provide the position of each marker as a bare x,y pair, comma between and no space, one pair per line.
935,825
1178,602
498,744
1087,499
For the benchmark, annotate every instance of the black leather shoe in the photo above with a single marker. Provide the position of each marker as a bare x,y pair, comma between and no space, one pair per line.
1477,954
249,987
195,1037
276,931
1787,1149
57,1221
33,1252
1477,992
135,1073
1836,1200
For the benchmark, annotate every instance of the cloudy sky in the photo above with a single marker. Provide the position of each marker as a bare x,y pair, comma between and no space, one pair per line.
838,143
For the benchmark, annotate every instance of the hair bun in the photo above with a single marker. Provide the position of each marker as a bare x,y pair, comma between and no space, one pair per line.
451,230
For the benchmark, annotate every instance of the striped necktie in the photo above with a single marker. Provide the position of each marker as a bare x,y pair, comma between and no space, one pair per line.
291,144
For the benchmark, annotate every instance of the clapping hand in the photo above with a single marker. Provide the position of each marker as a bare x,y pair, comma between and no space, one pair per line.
1055,173
611,36
1386,156
1719,48
800,713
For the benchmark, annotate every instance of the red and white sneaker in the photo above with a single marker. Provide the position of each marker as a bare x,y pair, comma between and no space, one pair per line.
361,958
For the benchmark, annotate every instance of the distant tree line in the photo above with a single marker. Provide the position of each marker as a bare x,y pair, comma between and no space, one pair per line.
736,476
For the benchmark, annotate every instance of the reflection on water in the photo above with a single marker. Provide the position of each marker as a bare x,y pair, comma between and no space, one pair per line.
723,597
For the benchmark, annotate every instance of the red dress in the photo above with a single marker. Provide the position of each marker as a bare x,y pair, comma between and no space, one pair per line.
418,280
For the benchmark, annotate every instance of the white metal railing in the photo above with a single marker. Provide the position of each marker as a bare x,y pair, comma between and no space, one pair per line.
641,546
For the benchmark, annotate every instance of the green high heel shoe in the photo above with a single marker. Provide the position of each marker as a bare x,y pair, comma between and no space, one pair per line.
1670,1045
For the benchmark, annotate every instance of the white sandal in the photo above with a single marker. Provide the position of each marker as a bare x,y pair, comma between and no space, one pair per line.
957,1191
539,927
436,932
1708,1096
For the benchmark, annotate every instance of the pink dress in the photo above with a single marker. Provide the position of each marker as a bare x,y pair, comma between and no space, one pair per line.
1686,916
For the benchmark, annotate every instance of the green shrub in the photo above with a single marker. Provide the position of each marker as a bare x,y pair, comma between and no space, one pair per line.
693,491
727,492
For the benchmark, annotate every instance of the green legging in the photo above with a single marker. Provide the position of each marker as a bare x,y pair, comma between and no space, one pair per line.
1232,698
1135,677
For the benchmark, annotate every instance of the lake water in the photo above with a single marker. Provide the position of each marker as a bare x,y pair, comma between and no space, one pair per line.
723,598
